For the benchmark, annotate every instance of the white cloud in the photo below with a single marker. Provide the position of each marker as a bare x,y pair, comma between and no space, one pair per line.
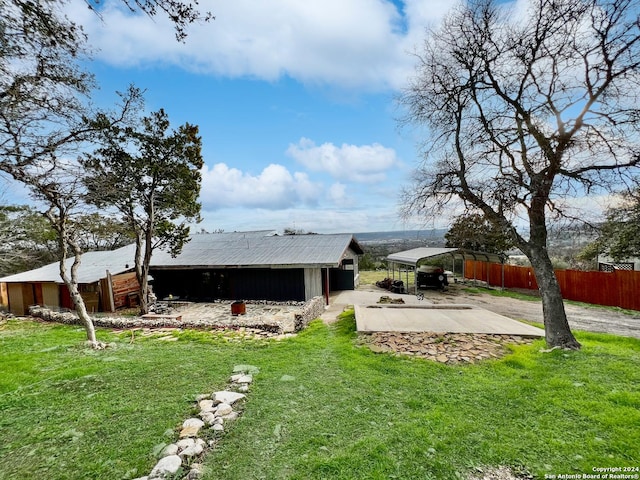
323,220
337,194
364,163
359,43
274,188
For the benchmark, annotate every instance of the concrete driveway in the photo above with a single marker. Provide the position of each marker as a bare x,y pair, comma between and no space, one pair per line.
421,315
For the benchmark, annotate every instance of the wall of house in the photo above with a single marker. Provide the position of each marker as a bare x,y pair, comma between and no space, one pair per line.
279,284
16,302
50,295
4,296
312,283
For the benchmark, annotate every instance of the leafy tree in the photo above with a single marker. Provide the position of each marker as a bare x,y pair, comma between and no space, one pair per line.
619,235
474,232
181,13
524,111
152,176
43,94
26,239
99,232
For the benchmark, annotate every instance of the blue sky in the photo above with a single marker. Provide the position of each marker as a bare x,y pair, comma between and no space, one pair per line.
294,100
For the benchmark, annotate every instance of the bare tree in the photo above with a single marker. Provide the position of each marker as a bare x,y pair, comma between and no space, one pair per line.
526,110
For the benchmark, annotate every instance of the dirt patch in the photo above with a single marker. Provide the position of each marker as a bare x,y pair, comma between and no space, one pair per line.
499,473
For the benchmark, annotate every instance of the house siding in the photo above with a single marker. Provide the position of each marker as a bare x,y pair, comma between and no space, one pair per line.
16,302
269,284
50,295
312,283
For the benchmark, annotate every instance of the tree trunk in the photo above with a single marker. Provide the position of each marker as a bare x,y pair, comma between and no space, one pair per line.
72,284
143,260
83,315
556,327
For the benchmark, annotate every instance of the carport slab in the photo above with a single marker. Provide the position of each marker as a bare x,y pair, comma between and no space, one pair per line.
440,318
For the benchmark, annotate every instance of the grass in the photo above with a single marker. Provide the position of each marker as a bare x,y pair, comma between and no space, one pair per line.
370,277
321,406
534,297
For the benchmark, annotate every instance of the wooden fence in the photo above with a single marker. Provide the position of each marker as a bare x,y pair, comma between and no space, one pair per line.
619,288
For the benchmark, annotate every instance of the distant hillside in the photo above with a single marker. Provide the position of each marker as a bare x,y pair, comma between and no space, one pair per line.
401,236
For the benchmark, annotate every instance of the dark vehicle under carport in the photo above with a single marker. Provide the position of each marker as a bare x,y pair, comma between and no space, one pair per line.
431,277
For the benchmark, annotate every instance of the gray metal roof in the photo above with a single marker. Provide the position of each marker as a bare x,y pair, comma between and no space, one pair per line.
261,249
252,249
416,255
93,267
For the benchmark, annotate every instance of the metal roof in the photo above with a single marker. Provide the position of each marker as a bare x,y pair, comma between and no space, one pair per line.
258,249
416,255
251,249
93,267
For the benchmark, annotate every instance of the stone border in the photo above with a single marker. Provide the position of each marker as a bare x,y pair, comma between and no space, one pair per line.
309,311
448,348
215,410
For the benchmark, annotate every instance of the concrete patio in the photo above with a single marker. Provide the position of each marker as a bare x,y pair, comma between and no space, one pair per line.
422,316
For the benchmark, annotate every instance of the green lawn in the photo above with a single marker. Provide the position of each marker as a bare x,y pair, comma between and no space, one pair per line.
67,412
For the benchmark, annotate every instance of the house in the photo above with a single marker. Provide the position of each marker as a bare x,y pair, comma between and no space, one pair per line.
257,265
608,264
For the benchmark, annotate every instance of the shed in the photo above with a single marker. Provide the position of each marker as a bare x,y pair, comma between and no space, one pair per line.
410,260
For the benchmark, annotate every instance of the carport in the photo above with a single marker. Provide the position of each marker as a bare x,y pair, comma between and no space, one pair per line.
409,260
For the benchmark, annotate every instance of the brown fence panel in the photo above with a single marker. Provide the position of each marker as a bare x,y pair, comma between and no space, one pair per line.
495,274
475,270
598,288
619,288
628,286
519,277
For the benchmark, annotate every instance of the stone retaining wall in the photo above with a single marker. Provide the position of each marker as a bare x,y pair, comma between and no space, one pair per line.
310,311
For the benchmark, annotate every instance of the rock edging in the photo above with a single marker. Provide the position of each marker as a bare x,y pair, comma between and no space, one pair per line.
310,311
182,459
448,348
71,318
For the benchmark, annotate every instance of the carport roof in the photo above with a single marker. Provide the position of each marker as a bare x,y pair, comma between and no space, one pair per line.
414,256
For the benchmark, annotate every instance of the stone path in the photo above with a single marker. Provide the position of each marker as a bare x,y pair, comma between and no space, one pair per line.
182,459
448,348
